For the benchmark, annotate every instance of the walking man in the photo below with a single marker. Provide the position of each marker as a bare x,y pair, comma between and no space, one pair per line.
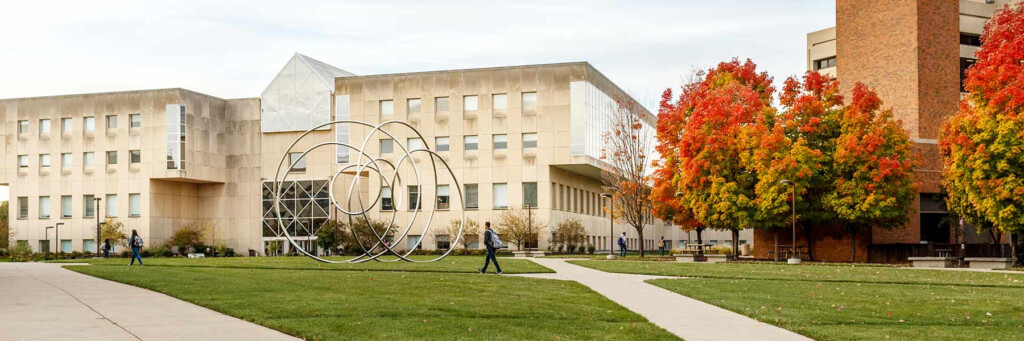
491,242
622,245
136,243
106,248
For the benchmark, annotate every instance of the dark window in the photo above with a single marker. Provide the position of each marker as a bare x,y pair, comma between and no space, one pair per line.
970,39
414,198
825,63
965,63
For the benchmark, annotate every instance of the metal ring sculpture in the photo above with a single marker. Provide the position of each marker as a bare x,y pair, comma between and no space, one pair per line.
365,162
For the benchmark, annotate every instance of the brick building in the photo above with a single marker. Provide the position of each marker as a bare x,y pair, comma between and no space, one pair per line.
913,53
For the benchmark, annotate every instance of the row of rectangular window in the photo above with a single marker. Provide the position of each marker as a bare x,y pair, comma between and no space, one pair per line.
470,142
576,200
135,156
469,103
89,122
88,208
471,194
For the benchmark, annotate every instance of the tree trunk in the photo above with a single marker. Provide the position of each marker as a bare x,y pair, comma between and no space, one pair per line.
853,245
776,244
1013,247
640,232
700,241
736,243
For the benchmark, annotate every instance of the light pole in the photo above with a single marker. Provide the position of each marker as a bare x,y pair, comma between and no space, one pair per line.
46,237
56,238
529,226
96,212
794,257
611,224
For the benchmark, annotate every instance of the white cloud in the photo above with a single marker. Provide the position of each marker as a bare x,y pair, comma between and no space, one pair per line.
233,49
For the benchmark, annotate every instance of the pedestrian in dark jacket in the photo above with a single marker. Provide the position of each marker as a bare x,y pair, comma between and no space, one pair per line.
622,245
106,248
135,242
490,237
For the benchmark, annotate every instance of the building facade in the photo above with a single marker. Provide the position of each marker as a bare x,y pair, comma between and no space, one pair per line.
913,53
521,136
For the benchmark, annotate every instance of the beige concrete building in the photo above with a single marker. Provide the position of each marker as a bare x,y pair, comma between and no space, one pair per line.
513,136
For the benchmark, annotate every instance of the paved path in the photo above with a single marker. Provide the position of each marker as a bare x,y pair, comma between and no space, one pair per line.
40,301
686,317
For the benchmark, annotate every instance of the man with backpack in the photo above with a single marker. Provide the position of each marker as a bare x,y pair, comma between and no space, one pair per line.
622,245
491,242
136,244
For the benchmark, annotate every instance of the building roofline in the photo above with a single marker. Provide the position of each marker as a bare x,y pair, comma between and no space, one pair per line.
382,75
119,93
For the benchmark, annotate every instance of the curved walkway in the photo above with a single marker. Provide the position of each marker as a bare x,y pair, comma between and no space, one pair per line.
685,317
40,301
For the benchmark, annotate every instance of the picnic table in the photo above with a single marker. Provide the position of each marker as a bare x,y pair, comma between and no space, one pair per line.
692,249
787,251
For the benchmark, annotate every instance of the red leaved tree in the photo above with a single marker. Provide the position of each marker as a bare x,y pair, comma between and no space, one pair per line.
983,144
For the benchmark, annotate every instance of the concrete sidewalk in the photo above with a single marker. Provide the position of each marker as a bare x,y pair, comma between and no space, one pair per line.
40,301
683,316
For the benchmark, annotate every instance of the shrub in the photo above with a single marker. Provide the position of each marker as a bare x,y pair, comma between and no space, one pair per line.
5,253
721,250
190,234
159,250
591,248
21,252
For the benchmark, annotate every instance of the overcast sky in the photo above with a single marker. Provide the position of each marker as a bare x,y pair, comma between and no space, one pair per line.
233,49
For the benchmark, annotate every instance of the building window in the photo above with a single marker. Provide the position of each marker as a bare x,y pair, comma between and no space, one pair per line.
965,63
414,198
472,196
387,107
66,125
386,201
111,122
341,130
470,103
22,161
500,101
970,39
65,206
22,207
825,63
529,100
44,126
413,106
89,206
89,123
530,194
387,146
415,143
297,162
442,242
134,204
500,196
501,141
112,205
304,207
44,207
442,144
414,242
440,104
65,160
44,160
529,140
23,127
176,136
471,142
443,197
87,158
112,157
135,120
135,156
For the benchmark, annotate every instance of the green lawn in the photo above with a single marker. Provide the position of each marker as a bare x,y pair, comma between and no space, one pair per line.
843,302
438,301
464,264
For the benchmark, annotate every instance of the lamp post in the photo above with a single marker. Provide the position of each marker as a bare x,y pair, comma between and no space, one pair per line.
611,224
96,212
794,257
46,237
56,238
529,226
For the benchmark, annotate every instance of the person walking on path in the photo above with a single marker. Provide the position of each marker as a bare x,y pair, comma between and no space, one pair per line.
136,243
106,248
661,245
622,245
491,242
